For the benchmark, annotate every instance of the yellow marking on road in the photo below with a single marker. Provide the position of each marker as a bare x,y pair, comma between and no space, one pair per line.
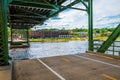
109,77
65,59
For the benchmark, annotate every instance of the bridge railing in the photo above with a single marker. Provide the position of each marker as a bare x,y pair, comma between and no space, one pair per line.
114,49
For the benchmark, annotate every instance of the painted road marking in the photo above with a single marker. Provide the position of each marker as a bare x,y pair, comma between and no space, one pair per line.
98,61
109,77
54,72
65,59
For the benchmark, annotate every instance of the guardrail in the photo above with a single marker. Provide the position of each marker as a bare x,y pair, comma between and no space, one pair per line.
114,49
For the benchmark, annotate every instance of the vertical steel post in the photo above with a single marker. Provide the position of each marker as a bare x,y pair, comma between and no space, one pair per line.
3,33
90,24
27,36
113,47
11,35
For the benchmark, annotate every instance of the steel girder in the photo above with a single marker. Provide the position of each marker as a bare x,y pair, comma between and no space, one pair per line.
90,24
3,33
110,40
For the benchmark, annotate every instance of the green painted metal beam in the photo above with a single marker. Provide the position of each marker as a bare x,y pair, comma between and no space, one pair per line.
11,36
83,2
3,33
78,8
27,11
110,40
90,24
32,4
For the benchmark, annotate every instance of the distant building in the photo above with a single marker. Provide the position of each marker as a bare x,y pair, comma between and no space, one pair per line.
49,34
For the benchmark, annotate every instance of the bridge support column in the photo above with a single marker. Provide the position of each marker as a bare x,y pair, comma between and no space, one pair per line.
27,36
11,36
3,33
90,24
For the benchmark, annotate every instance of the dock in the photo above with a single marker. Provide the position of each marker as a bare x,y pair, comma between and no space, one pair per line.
69,67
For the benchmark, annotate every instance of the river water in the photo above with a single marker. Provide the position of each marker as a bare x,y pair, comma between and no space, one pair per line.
48,49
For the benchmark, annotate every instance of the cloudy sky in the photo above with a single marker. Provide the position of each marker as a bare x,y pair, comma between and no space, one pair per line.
106,14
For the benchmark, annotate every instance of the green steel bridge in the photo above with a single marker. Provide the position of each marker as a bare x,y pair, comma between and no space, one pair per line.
24,14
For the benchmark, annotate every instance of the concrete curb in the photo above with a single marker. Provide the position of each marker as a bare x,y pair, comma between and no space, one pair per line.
103,55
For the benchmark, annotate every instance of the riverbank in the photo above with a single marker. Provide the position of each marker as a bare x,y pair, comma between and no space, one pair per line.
67,39
56,39
64,39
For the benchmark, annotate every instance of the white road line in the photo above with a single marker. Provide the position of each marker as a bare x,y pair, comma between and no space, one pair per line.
98,61
58,75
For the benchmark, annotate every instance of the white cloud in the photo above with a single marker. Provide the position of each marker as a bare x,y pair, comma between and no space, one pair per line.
102,10
106,8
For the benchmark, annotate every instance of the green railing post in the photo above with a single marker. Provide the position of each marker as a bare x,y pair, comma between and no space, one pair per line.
11,35
90,24
113,48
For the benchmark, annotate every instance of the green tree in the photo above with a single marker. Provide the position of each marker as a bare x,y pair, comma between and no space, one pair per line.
9,32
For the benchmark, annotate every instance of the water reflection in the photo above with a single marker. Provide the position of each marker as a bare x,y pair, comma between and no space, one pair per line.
47,49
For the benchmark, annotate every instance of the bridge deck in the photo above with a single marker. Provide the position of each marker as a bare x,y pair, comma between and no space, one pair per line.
69,67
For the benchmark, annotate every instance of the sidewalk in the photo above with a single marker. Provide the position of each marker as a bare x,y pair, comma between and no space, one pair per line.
5,73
